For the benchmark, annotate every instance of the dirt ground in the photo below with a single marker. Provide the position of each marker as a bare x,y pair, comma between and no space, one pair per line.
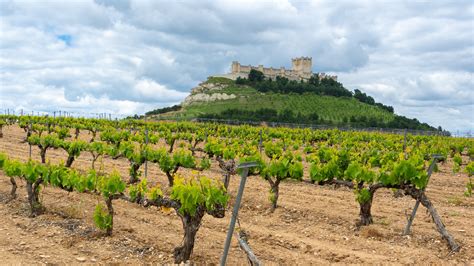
312,225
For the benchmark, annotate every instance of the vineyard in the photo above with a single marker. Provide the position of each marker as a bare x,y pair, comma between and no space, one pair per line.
94,190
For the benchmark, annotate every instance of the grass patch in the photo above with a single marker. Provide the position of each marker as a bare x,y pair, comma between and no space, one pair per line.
456,201
327,108
220,80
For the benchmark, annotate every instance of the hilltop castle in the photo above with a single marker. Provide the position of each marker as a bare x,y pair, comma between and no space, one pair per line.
301,70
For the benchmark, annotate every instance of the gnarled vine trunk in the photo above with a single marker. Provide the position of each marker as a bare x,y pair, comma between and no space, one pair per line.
14,186
94,133
191,223
274,193
229,169
226,180
27,129
170,175
94,159
170,179
191,226
33,190
364,213
172,146
134,173
365,207
43,154
110,209
70,160
77,133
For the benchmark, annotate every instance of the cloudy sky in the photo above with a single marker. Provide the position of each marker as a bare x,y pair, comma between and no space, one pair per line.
124,56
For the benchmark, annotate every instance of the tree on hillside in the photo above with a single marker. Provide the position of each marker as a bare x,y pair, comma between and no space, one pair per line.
255,75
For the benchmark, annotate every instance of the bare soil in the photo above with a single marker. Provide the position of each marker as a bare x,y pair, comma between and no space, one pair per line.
312,225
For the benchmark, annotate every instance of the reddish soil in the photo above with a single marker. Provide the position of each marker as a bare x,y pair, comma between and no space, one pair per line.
312,225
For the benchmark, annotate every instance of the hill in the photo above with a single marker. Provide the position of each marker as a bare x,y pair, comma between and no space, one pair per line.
324,102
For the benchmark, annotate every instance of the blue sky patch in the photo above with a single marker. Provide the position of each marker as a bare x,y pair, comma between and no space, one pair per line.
66,38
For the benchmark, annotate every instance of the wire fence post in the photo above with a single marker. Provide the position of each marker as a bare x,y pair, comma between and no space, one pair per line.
417,204
405,144
245,170
29,143
146,149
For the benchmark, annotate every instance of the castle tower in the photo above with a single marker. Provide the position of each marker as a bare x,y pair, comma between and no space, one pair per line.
302,65
235,68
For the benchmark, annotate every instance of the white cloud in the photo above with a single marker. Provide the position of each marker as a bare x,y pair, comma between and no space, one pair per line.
139,55
150,89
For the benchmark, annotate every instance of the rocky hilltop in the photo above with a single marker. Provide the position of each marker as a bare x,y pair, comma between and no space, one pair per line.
323,103
207,92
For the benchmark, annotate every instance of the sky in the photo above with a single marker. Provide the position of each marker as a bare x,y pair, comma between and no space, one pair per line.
128,57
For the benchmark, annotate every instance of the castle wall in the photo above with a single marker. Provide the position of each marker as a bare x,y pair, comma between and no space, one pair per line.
301,69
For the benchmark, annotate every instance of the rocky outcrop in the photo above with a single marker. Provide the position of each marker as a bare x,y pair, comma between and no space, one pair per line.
207,87
203,97
207,92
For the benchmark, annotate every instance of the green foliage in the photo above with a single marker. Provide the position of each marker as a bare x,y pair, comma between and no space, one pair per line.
56,175
127,150
409,171
114,136
308,149
469,187
219,80
363,195
205,164
283,168
154,193
3,159
324,172
12,168
273,150
44,141
111,185
358,173
97,147
164,110
457,158
198,191
214,147
470,169
102,219
229,153
325,154
457,161
138,191
253,158
184,158
166,163
62,132
31,171
255,75
74,148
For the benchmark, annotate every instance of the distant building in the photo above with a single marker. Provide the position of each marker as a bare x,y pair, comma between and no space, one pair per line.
301,70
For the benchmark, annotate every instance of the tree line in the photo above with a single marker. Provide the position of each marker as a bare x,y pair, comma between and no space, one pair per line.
163,110
288,116
320,86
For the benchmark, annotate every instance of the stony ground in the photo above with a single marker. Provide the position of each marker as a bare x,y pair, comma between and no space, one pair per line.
313,225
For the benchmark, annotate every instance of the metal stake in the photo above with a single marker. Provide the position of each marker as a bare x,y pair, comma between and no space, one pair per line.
405,144
146,146
417,204
245,170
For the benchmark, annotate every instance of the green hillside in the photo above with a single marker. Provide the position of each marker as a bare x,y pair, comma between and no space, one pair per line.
250,104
